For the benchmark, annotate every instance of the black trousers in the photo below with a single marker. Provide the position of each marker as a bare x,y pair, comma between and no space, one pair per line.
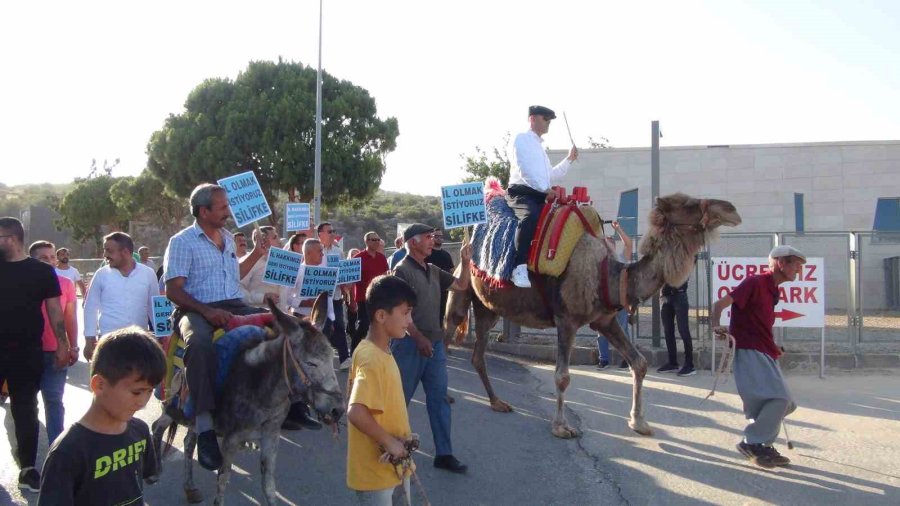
352,320
22,370
336,331
675,309
362,326
527,203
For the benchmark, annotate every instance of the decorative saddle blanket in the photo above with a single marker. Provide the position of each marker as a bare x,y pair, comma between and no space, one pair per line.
494,244
228,341
561,225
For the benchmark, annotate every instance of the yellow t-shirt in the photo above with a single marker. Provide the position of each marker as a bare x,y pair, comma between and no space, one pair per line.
375,382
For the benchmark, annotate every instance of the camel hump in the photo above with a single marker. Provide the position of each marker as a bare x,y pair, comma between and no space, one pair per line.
559,230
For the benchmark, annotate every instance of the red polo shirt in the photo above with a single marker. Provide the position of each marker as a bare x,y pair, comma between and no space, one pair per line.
372,267
753,314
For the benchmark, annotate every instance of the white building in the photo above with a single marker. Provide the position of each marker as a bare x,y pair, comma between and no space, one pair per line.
823,186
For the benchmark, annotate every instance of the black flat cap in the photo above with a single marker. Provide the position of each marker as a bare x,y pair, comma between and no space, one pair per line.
416,229
539,110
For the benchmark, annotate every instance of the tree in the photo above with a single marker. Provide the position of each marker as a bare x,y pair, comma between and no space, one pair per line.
264,121
88,207
15,199
381,214
146,198
603,143
481,165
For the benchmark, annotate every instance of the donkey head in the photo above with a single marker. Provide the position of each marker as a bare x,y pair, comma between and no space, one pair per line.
314,358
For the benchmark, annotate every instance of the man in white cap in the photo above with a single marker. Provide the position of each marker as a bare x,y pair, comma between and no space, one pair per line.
530,178
756,373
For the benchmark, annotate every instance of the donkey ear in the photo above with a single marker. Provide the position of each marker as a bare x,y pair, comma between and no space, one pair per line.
320,310
283,321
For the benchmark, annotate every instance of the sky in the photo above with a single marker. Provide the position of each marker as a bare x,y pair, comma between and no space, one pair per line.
93,80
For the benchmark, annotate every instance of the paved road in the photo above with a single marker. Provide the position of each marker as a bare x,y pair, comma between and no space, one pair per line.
847,437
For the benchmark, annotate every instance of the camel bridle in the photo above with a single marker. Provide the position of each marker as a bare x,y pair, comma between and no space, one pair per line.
701,225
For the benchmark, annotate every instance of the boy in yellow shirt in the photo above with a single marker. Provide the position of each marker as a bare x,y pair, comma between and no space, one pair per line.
377,414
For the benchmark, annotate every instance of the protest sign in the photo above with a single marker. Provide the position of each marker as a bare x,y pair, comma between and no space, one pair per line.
245,198
296,217
315,279
801,302
350,271
162,316
333,260
463,204
282,267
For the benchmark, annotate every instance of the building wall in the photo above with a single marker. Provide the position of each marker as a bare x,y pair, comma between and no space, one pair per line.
841,181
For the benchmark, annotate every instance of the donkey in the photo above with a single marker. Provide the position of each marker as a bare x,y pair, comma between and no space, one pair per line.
257,394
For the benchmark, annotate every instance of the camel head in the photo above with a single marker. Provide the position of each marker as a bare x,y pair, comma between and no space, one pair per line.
678,227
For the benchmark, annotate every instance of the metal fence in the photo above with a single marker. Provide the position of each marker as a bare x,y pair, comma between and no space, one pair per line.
862,303
862,287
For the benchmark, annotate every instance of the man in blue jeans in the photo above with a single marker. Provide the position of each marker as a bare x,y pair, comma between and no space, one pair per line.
53,379
420,355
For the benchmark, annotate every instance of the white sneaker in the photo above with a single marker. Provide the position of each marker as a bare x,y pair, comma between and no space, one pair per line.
520,276
345,364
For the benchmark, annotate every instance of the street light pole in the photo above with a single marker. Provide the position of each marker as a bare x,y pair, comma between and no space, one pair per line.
317,192
654,194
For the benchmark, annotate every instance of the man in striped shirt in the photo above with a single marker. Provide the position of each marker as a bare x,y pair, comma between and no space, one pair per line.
202,276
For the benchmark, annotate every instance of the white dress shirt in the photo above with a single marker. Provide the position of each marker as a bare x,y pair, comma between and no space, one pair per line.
293,298
530,165
254,289
120,300
333,250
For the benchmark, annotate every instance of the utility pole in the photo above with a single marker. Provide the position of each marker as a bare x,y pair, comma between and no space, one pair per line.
317,192
654,194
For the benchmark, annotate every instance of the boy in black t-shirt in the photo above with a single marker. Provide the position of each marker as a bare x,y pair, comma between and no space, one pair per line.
101,459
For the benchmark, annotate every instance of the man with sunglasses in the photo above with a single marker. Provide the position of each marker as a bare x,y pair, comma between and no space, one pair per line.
530,178
373,264
335,330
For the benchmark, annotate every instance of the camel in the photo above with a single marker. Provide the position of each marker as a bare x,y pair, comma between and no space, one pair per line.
678,227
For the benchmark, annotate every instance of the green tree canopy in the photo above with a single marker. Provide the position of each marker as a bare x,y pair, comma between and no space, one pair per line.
264,121
88,207
483,163
145,198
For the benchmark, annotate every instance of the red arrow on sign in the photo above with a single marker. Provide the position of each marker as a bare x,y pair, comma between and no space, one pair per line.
787,314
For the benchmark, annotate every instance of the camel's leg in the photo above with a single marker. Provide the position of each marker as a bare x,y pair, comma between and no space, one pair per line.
268,444
638,363
565,338
191,493
456,316
485,319
230,447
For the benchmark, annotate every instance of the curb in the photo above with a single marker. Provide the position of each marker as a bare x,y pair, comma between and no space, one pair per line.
790,361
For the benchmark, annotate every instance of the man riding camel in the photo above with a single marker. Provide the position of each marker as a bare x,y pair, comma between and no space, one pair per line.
530,178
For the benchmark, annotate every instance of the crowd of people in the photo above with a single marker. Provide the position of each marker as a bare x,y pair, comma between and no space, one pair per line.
386,330
210,274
